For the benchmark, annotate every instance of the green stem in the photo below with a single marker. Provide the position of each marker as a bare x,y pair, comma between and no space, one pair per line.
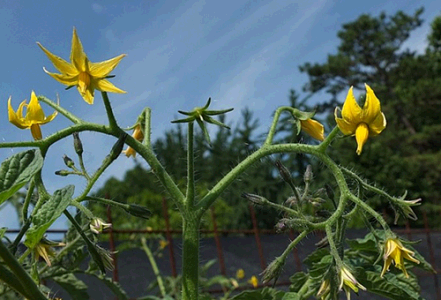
24,255
83,209
325,144
12,281
371,211
61,110
28,284
294,243
28,200
83,168
109,111
152,260
272,131
280,207
190,166
107,202
333,247
147,128
190,256
304,289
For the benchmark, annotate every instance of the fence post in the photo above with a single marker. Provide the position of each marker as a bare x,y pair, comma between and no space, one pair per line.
257,236
220,254
168,236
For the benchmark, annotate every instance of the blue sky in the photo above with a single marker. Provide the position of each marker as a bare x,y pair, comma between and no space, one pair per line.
179,53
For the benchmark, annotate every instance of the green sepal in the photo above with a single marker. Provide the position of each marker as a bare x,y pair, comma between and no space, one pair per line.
302,115
17,170
205,131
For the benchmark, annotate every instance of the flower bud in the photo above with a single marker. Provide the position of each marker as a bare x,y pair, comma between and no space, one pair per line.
77,143
62,172
118,147
68,161
138,211
256,199
273,270
105,257
307,177
284,172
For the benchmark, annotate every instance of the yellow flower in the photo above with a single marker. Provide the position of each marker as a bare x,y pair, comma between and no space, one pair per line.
361,122
347,280
313,128
137,135
240,274
325,289
253,281
34,116
44,250
163,244
82,73
396,252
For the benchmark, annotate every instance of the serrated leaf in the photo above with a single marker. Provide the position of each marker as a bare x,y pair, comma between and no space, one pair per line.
315,256
17,170
291,296
264,294
47,214
320,268
388,286
298,280
73,286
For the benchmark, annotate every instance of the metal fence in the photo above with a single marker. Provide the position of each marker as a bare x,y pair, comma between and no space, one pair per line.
215,233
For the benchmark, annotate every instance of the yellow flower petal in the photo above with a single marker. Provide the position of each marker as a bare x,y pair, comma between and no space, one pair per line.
377,125
69,80
129,152
13,117
34,113
104,85
361,136
77,55
36,132
88,94
102,69
371,108
313,128
60,64
351,111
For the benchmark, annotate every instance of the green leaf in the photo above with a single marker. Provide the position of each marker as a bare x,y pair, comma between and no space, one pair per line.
264,294
319,269
298,280
3,231
47,214
315,256
291,296
395,287
368,243
17,170
424,264
75,287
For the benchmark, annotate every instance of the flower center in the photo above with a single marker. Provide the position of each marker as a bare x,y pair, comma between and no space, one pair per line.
361,135
83,82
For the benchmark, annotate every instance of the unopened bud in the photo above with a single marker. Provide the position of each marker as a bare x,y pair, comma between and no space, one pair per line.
118,147
256,199
307,177
281,226
62,173
138,211
284,172
68,161
274,269
291,201
77,143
